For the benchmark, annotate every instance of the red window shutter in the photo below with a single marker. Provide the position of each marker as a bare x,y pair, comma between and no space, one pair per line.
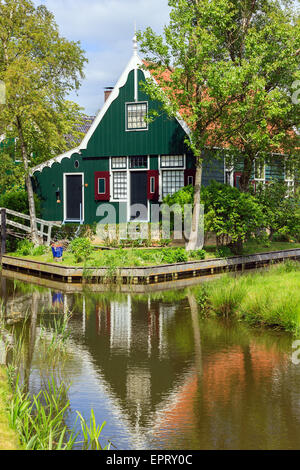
102,188
153,185
187,175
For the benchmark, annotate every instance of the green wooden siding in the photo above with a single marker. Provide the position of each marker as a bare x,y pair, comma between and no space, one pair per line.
164,136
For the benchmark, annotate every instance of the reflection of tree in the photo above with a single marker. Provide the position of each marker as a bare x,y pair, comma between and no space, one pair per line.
31,339
196,329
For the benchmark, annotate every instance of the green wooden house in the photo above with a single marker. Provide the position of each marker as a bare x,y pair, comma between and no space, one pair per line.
123,160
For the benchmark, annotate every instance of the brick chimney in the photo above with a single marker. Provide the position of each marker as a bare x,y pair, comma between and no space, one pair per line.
107,92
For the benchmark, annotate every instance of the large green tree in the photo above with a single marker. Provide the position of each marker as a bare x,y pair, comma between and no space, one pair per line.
39,69
227,68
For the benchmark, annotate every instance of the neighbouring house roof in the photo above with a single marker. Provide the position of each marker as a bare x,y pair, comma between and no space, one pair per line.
82,127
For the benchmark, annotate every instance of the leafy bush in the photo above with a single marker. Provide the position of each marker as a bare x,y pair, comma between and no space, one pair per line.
24,248
223,252
231,214
17,200
81,249
39,250
197,254
280,209
171,256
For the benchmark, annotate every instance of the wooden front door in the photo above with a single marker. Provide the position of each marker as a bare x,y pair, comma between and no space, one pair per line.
73,203
138,194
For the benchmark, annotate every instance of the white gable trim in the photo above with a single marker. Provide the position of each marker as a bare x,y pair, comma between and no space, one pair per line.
135,63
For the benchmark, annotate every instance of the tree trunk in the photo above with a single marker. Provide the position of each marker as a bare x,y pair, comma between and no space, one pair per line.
32,214
193,240
246,175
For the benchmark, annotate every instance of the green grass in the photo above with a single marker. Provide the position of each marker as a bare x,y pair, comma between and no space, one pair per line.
268,298
8,438
148,257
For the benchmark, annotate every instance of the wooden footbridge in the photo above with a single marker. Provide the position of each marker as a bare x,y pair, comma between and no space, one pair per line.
17,225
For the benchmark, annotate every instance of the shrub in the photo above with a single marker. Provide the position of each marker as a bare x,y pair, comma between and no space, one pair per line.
223,252
231,214
24,248
17,200
39,250
171,256
81,249
197,254
281,210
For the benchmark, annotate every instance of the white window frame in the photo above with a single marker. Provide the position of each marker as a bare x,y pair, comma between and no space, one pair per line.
119,168
290,182
190,177
65,198
162,169
126,116
172,167
128,180
152,184
260,180
104,179
228,169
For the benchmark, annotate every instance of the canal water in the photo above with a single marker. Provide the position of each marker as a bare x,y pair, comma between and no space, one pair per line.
158,375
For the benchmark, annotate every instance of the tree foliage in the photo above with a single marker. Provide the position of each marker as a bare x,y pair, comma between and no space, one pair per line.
39,68
228,67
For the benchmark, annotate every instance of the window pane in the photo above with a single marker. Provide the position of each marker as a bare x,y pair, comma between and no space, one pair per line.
136,114
118,162
139,162
101,186
259,171
120,184
152,185
172,161
172,182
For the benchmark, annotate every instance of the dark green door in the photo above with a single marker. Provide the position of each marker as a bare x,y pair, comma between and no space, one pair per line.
138,190
74,198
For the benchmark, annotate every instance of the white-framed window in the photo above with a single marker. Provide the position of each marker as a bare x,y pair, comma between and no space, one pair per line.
172,161
138,162
136,114
259,171
190,181
118,163
172,181
289,178
101,185
120,185
152,185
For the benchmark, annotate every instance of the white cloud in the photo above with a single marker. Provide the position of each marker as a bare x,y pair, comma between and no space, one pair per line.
105,29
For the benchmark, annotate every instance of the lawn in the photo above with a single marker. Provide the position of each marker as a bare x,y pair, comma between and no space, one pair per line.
131,257
265,298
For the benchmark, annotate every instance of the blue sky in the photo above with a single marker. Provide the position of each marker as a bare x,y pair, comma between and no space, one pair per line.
105,29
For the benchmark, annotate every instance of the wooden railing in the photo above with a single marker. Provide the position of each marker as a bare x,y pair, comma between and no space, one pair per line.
44,228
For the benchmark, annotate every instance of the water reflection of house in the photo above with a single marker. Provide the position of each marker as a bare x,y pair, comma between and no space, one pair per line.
129,344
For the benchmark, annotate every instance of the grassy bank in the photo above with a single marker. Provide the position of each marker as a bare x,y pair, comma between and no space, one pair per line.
151,257
8,438
267,298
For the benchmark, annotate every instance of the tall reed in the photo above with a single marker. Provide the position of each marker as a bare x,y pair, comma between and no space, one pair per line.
40,419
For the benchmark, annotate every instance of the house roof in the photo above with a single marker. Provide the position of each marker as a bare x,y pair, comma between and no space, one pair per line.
135,63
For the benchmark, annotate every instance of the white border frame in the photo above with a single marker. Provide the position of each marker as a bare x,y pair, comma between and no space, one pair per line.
101,178
65,198
259,180
161,170
139,129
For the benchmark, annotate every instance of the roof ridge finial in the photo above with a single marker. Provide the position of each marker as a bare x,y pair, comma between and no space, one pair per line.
135,45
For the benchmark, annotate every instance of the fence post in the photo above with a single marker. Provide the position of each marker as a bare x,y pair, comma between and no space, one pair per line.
3,232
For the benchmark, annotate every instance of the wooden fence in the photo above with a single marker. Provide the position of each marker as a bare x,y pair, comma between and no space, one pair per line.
21,229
